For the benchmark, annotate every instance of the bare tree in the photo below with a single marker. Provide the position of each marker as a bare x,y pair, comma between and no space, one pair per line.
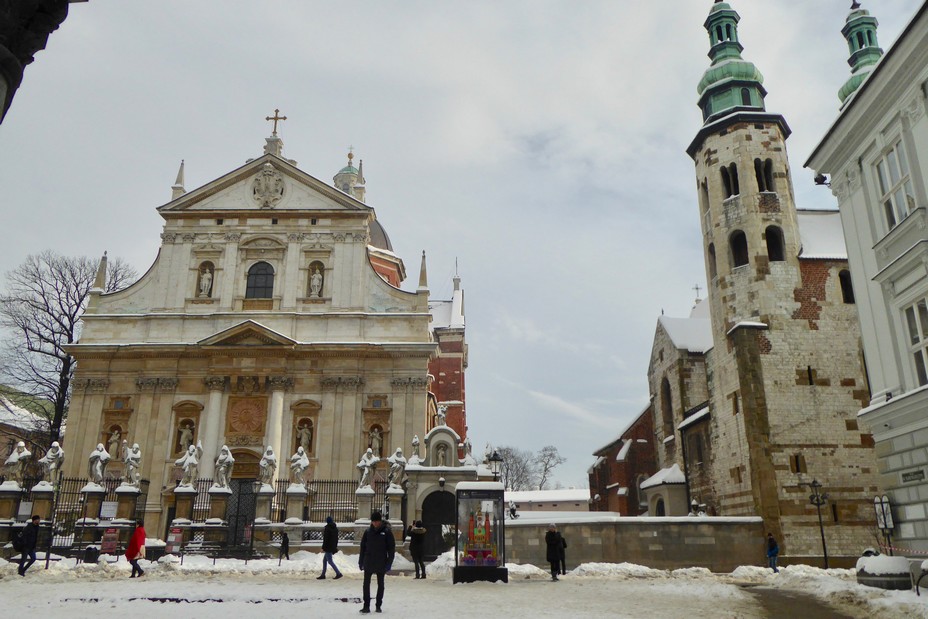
41,309
545,462
518,470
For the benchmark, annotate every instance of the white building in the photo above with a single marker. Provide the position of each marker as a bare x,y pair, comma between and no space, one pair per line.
876,154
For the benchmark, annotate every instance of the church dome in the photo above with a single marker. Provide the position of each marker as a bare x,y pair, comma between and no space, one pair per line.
739,70
379,238
348,169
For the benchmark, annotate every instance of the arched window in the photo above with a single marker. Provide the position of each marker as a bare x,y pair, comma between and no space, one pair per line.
774,236
733,176
713,271
718,34
667,407
739,249
726,182
642,501
763,171
870,38
260,283
695,449
860,40
729,36
659,509
847,290
768,175
745,96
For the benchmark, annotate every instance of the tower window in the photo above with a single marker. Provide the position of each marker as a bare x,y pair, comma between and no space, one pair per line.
730,180
797,463
666,407
763,170
713,272
847,290
739,249
774,236
860,40
728,33
260,284
718,34
870,38
745,97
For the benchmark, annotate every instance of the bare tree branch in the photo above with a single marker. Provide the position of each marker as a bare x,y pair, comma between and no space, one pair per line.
518,470
41,310
545,462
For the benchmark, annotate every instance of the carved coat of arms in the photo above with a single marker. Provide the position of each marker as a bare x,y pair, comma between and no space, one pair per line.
268,186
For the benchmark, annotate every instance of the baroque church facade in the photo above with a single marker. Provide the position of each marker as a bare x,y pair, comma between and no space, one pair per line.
755,395
272,317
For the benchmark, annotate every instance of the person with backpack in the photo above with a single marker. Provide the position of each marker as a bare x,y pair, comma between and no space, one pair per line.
28,539
773,550
136,549
417,547
329,547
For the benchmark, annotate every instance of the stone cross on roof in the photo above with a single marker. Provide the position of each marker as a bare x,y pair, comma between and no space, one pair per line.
276,117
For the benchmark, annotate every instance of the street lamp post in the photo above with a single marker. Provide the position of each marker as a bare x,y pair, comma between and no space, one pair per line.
819,498
496,464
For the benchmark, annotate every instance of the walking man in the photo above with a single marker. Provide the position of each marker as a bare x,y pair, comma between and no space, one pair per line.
329,547
555,544
376,557
30,541
772,551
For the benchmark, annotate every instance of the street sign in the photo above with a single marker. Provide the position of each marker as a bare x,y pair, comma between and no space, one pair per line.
175,540
884,514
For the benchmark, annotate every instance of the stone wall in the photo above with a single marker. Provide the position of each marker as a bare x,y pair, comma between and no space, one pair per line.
719,544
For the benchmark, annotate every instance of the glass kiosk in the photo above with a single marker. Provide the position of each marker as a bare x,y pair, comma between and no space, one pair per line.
480,552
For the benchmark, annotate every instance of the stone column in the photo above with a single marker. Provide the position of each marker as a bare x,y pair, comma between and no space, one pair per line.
395,502
210,430
275,421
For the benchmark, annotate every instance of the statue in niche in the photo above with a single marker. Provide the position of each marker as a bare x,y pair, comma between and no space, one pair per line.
376,441
206,283
96,464
315,284
190,462
52,462
304,436
367,464
442,411
113,443
267,467
397,468
15,465
132,460
299,463
441,455
185,434
224,464
415,445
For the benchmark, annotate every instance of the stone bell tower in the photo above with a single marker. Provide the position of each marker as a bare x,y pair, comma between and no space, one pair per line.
784,375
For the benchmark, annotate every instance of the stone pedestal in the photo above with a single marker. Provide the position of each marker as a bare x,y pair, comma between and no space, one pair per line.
218,505
365,498
264,504
43,500
93,495
184,496
296,499
126,501
10,496
395,502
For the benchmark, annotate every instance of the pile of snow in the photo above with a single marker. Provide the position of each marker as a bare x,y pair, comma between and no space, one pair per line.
882,565
618,570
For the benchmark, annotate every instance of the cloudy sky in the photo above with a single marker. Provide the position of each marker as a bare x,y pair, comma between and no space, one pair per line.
540,143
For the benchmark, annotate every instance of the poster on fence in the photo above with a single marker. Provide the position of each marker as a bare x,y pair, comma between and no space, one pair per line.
175,540
110,542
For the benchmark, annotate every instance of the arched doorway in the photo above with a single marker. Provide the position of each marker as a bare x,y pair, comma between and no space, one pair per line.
437,515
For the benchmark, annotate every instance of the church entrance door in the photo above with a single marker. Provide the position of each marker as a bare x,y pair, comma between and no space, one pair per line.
241,511
437,518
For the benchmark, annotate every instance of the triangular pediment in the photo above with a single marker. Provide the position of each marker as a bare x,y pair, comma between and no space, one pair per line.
248,333
266,184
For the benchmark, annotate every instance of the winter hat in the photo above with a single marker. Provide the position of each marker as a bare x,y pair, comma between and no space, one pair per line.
376,517
328,520
552,526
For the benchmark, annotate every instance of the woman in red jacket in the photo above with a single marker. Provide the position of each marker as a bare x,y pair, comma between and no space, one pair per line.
136,549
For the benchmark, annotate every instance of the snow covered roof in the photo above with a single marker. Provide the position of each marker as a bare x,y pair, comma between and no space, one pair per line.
599,461
702,413
622,433
821,234
623,453
12,414
449,314
479,485
672,475
748,324
693,334
546,496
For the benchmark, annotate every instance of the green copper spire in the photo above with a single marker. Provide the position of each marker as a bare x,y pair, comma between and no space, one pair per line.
731,83
860,32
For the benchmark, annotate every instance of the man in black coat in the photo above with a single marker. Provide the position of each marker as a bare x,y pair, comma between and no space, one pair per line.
30,541
555,544
329,547
376,557
417,547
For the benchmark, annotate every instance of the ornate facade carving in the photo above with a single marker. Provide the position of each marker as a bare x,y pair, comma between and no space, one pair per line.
168,384
914,109
146,384
215,383
330,383
189,238
95,385
168,237
296,237
278,383
411,382
233,236
267,188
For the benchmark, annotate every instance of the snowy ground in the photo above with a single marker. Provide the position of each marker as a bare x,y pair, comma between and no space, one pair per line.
232,589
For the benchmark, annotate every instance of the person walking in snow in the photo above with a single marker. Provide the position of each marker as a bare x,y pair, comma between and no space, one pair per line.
376,557
29,540
416,534
329,547
555,545
772,551
136,549
284,548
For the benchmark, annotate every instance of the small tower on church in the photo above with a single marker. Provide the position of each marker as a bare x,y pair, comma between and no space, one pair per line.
860,32
351,179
